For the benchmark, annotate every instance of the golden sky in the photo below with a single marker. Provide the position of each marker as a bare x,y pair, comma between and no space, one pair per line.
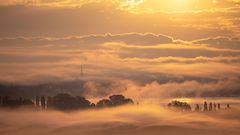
159,44
153,5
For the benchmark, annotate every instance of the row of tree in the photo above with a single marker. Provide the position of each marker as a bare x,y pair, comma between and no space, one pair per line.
184,106
64,101
8,102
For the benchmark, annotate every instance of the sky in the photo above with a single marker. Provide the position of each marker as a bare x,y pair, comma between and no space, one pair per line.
142,48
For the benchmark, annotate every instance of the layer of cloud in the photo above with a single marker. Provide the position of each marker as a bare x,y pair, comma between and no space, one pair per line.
136,4
221,42
168,50
104,17
90,41
114,64
38,44
123,56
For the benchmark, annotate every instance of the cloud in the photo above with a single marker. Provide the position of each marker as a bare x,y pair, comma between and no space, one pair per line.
154,90
186,6
47,42
41,46
130,56
140,89
220,42
169,50
91,40
141,4
172,59
104,17
47,2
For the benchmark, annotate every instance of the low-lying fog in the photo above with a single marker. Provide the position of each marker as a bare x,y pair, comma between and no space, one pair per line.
142,119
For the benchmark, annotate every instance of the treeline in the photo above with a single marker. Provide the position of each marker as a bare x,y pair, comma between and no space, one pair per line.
184,106
63,102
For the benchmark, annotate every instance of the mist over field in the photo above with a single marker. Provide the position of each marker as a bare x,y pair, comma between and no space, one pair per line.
137,120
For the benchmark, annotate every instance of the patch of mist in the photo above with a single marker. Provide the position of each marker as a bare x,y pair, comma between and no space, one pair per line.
135,119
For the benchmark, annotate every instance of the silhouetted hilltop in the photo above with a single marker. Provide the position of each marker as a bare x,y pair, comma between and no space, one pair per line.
47,89
103,88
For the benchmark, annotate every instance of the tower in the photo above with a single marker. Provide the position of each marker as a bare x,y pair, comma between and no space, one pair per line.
81,70
79,75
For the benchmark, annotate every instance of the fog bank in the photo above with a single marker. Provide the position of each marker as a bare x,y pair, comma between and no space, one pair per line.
139,120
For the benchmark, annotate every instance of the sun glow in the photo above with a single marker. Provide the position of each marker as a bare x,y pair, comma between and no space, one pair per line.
175,5
133,3
188,100
181,1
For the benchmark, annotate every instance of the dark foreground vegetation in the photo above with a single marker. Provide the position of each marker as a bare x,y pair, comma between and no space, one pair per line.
66,102
63,102
184,106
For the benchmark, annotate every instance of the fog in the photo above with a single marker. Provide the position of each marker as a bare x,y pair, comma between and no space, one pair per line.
144,119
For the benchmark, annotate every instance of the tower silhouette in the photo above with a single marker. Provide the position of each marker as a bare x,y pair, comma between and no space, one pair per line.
79,75
81,70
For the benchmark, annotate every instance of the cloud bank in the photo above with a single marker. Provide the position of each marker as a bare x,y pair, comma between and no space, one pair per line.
106,17
45,42
139,120
131,63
